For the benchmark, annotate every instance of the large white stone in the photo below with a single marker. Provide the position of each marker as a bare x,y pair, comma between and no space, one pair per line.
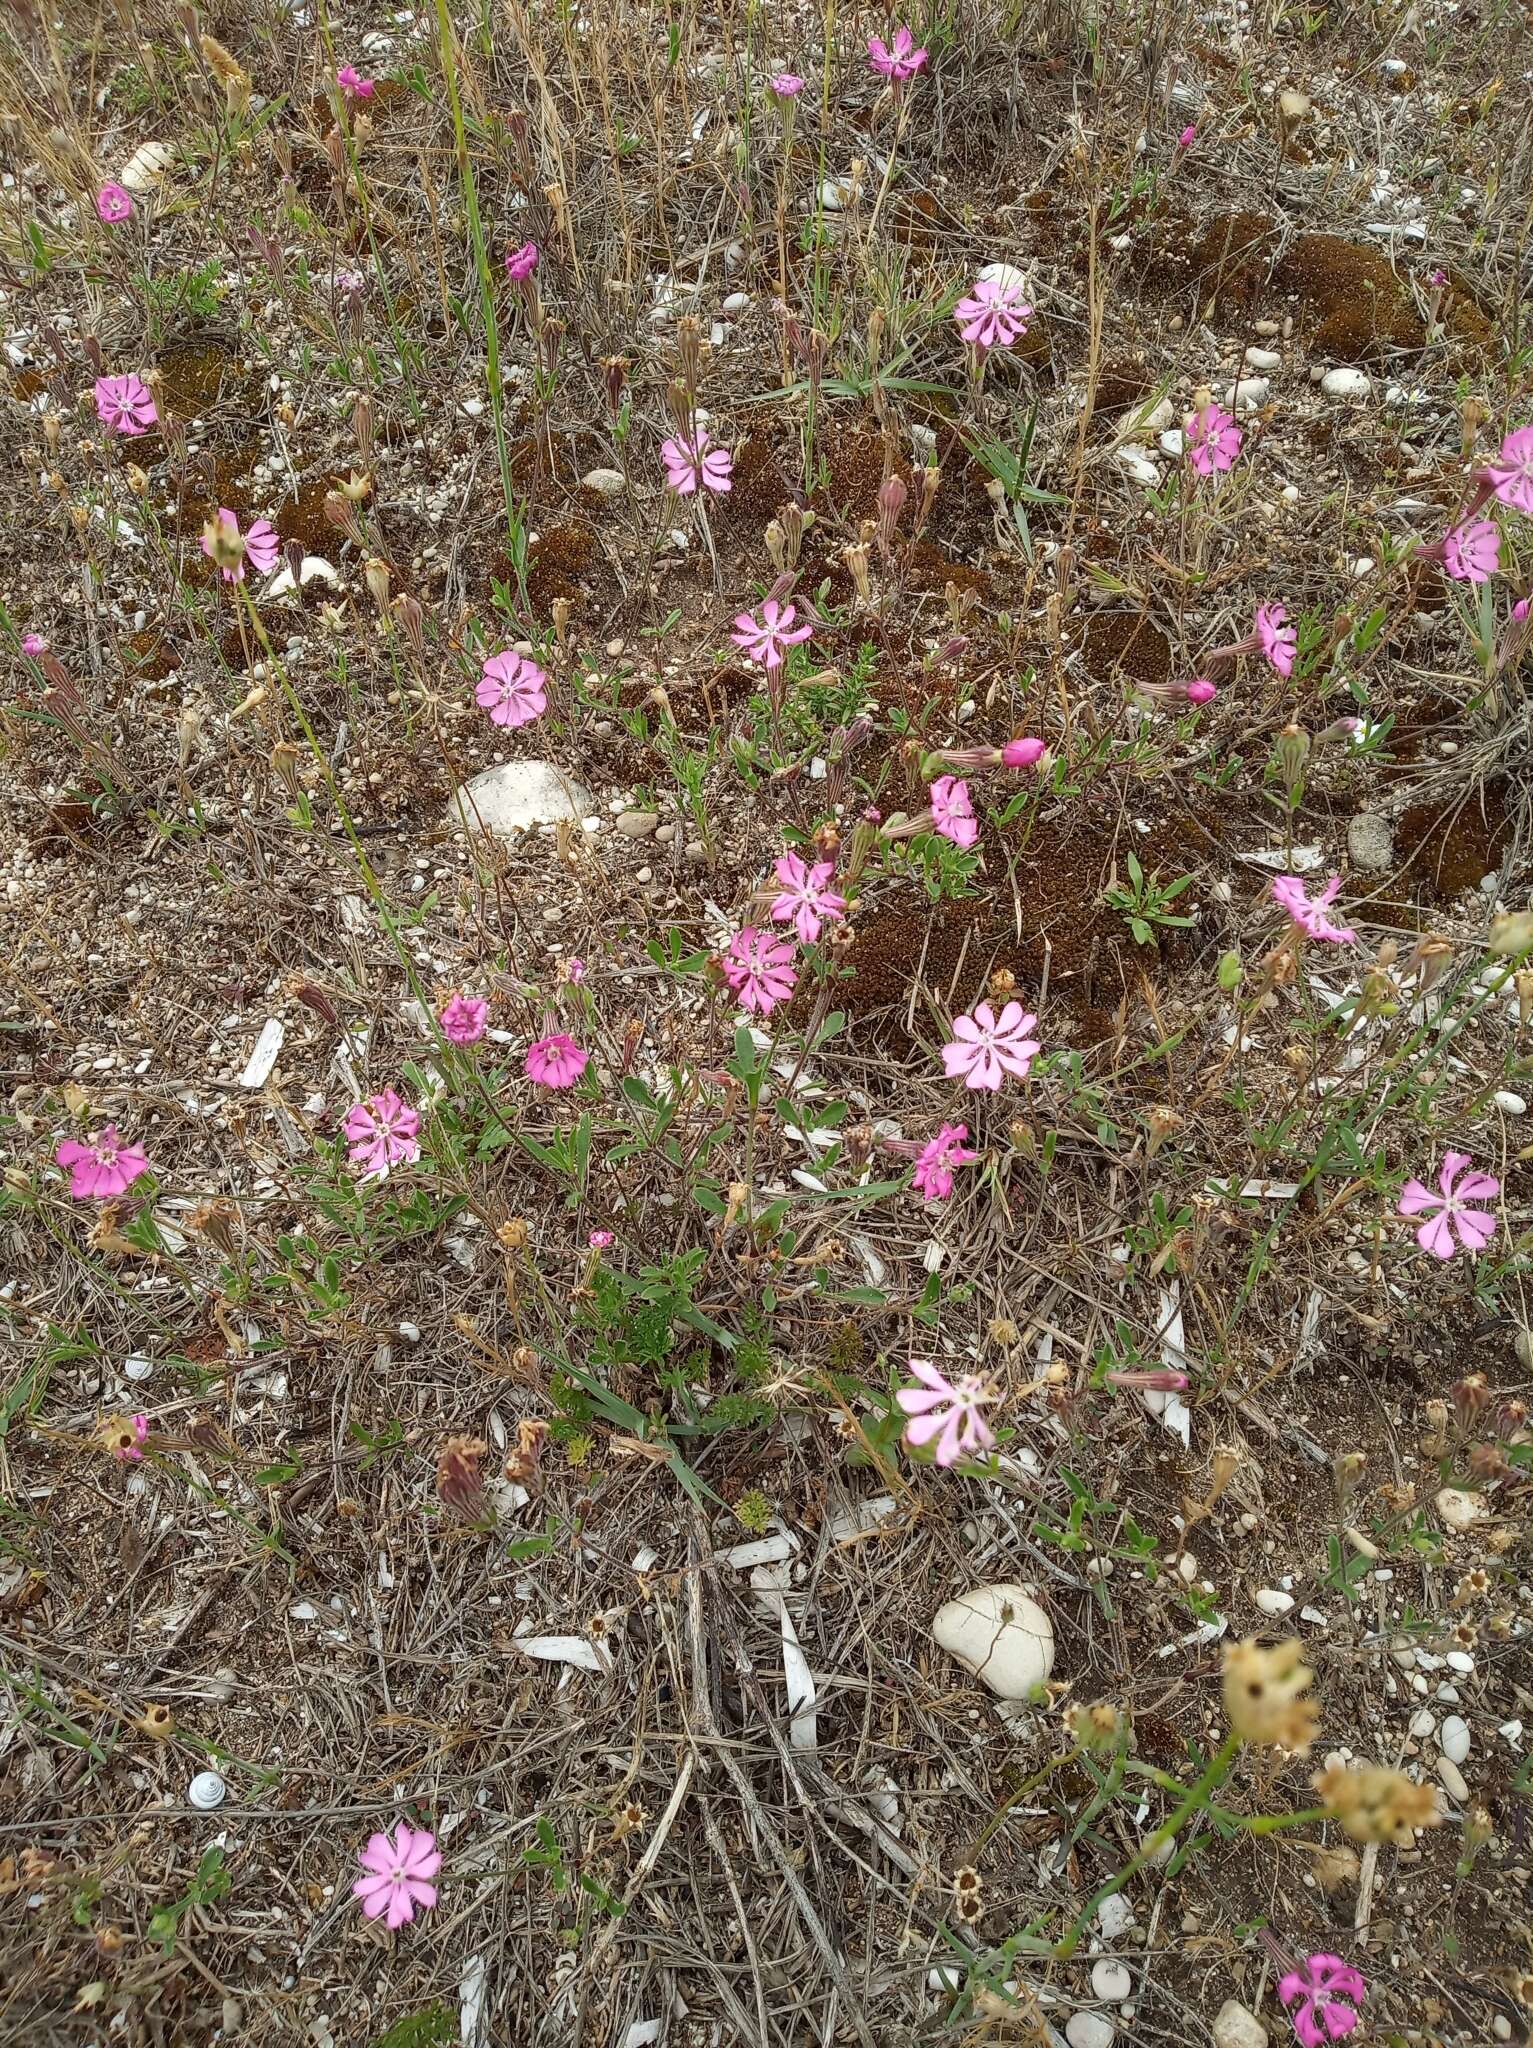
1455,1738
1110,1980
1234,2027
1089,2030
1346,383
1002,1635
518,795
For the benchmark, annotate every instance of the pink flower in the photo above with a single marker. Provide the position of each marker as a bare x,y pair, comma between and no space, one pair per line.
113,203
985,1049
1308,913
805,902
353,84
260,542
522,262
128,1442
1201,691
382,1133
1447,1213
1187,136
1521,608
952,813
1278,641
599,1240
946,1410
1472,554
512,689
1024,753
765,639
33,644
934,1167
688,463
125,404
994,315
102,1167
556,1061
574,970
398,1876
1212,439
759,968
787,85
898,60
1321,1998
463,1018
1510,476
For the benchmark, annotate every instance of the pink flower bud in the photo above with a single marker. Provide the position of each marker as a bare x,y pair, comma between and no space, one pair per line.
1201,691
1024,753
1185,139
1162,1381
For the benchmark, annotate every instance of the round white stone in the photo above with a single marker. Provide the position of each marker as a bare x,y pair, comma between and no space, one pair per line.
1271,1601
1111,1981
1002,1635
1453,1780
206,1791
1346,383
1455,1738
1089,2030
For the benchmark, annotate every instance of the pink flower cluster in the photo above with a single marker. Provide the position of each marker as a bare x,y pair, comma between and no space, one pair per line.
113,204
994,315
1212,440
759,968
985,1048
262,547
898,60
1308,912
125,405
463,1018
1321,1998
556,1061
512,689
767,639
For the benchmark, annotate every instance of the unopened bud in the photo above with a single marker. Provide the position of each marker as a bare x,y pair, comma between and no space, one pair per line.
856,560
223,541
375,574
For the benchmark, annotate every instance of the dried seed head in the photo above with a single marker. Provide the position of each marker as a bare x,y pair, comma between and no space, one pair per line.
514,1234
856,560
157,1721
628,1819
1346,1475
689,350
1375,1804
525,1363
1003,1331
410,618
522,1463
375,574
1470,1397
284,765
459,1478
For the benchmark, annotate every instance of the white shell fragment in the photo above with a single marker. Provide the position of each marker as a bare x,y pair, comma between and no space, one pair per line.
1002,1635
264,1057
148,163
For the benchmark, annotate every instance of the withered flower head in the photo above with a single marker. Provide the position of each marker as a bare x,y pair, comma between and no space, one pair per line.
1375,1804
1262,1694
459,1479
523,1462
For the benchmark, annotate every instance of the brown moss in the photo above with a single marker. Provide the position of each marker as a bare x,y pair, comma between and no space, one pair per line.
303,518
1125,644
1230,258
1123,382
1363,308
1447,848
558,565
191,378
150,655
856,462
932,570
759,485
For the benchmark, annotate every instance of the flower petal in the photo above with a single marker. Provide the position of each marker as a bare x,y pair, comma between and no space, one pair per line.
1435,1237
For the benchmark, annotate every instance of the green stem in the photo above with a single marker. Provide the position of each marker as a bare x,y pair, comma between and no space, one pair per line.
1196,1800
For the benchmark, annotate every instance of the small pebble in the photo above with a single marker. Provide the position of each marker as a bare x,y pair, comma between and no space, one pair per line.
1455,1738
1346,383
1512,1105
1111,1981
1089,2030
1271,1601
1453,1780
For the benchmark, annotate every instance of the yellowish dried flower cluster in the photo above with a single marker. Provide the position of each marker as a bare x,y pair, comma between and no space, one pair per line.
1376,1804
1263,1685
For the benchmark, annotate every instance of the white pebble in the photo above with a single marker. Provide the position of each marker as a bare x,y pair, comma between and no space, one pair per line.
1512,1104
1455,1738
1271,1601
1453,1780
1263,359
1114,1915
1089,2030
1111,1981
1346,383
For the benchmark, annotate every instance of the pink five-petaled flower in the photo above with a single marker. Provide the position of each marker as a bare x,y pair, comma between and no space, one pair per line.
599,1240
787,85
935,1163
994,315
952,813
759,968
948,1410
688,463
804,901
125,404
463,1018
556,1061
764,639
1212,439
113,204
398,1874
512,689
33,644
985,1048
1201,691
381,1133
353,84
259,540
522,262
1510,476
1321,1998
102,1167
1472,554
1447,1213
1308,912
898,60
1277,640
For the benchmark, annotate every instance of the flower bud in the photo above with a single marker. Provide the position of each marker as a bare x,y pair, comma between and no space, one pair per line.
224,542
